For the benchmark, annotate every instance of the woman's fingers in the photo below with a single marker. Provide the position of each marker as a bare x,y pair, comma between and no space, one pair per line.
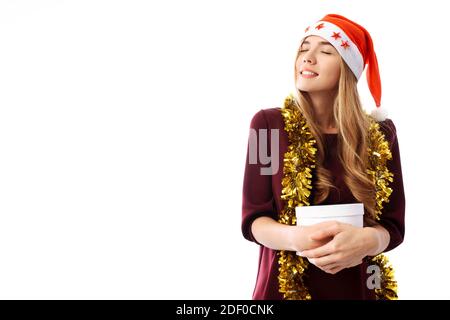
331,268
325,260
326,232
334,270
321,251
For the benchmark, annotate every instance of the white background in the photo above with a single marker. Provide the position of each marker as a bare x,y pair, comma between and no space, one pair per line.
123,135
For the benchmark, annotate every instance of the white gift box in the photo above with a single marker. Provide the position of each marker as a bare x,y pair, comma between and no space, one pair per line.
351,213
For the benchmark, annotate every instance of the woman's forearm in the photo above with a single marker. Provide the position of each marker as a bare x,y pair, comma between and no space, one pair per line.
380,239
273,234
278,236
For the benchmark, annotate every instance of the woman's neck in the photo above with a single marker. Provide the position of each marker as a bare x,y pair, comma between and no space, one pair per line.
322,104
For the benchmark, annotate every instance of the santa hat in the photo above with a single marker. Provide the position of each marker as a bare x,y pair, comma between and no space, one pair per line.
355,45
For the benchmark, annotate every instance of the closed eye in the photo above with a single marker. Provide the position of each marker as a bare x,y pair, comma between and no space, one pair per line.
321,51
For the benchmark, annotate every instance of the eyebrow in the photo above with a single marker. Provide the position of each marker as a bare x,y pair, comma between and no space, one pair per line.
321,42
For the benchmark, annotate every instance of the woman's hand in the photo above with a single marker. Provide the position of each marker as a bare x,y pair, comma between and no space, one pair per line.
348,247
300,237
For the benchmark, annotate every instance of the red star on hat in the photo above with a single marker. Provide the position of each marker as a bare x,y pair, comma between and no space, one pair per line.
336,35
320,26
345,44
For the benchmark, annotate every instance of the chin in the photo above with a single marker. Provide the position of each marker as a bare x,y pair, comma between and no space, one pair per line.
308,89
315,88
305,88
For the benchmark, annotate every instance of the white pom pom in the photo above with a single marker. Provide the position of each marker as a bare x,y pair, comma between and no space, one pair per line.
379,114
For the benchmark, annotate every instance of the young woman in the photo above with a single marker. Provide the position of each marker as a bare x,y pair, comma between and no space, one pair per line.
329,152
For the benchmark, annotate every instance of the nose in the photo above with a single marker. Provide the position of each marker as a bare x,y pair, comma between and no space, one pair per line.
308,59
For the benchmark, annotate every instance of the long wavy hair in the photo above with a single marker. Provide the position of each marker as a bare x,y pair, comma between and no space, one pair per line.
352,124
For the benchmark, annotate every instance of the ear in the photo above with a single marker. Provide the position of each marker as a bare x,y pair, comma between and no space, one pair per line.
379,114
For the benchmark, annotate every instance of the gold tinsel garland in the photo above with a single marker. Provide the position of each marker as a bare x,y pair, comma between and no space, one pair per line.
299,160
379,153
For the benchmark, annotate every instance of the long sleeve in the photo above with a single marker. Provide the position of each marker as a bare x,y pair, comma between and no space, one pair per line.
393,213
257,195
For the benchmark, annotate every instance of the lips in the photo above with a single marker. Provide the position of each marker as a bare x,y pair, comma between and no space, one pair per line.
308,75
308,72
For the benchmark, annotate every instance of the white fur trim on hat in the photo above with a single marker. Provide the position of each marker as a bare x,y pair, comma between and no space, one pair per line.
379,114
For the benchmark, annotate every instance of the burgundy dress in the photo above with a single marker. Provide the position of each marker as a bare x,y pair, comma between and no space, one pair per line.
262,197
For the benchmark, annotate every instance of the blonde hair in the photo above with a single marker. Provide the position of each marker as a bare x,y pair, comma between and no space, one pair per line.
352,123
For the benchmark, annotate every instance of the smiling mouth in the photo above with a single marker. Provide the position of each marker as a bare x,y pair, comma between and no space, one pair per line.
308,73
